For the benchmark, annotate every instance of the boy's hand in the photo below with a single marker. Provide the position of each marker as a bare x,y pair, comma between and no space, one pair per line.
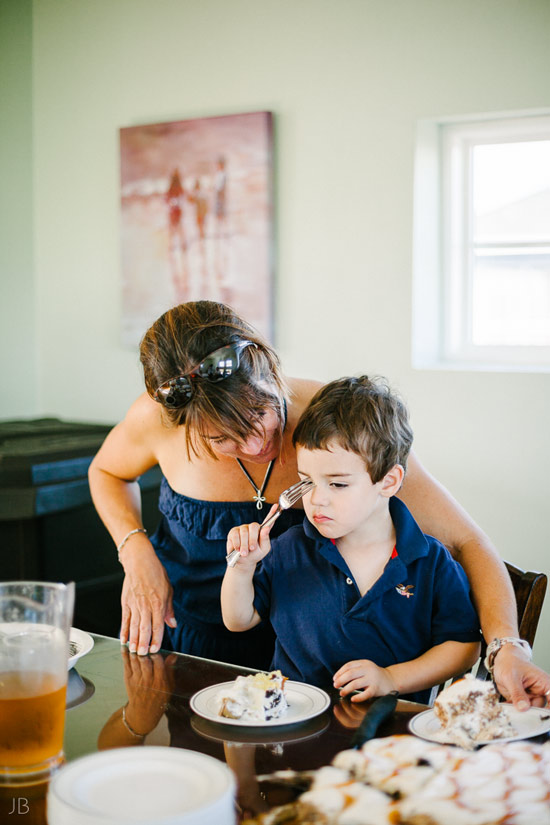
365,676
251,541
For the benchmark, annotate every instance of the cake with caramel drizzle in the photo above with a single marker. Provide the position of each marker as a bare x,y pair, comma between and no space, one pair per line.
402,780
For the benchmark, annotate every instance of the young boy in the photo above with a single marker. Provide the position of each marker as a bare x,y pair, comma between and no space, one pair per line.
360,599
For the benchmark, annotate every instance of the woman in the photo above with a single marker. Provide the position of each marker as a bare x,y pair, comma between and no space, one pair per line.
218,417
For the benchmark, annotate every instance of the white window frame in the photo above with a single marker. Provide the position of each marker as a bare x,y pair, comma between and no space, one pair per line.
443,242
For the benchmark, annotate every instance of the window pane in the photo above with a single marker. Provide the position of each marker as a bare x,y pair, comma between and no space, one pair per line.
511,298
511,192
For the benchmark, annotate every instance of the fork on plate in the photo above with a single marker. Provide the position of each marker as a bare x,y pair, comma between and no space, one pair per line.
287,499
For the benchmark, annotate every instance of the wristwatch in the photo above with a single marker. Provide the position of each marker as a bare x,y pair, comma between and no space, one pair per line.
494,647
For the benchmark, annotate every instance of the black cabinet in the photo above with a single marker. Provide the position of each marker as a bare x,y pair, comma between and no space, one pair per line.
49,529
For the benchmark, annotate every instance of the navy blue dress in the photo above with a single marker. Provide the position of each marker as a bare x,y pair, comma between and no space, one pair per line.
190,541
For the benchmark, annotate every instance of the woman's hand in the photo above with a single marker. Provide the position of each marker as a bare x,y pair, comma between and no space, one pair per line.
364,676
149,683
519,680
146,598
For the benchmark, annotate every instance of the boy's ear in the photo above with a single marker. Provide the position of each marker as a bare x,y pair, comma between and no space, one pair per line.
392,481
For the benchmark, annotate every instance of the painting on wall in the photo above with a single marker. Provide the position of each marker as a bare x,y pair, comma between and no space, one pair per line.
196,218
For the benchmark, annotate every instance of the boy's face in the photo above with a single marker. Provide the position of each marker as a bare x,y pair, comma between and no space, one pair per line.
344,497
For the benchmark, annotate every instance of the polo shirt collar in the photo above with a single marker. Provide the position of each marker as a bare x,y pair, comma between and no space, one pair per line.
411,543
325,547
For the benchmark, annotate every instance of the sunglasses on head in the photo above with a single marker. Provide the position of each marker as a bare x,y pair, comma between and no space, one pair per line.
218,365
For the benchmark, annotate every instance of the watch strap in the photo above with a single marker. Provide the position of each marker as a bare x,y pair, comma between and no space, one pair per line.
494,647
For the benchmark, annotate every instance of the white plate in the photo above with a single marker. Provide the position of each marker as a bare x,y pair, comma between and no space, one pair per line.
142,786
532,722
80,644
304,702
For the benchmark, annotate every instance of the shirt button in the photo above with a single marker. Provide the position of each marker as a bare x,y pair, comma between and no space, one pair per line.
349,581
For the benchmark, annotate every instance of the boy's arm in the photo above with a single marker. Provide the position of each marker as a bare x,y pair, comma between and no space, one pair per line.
237,593
435,666
237,598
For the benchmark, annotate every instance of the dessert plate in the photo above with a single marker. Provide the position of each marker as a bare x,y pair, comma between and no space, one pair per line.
532,722
80,643
304,702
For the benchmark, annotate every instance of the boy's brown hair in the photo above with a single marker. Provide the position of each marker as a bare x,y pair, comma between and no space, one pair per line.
361,415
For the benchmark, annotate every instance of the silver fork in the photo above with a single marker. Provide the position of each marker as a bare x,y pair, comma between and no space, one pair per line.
287,498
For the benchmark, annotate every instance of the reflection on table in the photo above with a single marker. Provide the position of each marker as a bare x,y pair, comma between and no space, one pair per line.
154,692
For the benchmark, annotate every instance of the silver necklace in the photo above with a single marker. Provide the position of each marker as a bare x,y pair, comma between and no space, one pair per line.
259,498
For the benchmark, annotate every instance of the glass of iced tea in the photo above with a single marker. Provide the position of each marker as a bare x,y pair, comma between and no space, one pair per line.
35,621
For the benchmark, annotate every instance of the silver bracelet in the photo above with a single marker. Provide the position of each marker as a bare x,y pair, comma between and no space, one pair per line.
494,647
127,536
128,727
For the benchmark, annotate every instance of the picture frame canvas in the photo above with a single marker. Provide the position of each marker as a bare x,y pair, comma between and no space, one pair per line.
197,218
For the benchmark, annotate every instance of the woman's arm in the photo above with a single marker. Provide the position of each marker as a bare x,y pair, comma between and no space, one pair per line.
126,454
440,515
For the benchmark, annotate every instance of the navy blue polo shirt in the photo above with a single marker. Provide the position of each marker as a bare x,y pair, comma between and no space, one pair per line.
307,591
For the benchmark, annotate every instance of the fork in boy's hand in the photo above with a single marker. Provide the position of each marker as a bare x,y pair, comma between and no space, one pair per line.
287,499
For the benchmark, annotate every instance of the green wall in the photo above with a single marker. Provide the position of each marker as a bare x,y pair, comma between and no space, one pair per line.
17,328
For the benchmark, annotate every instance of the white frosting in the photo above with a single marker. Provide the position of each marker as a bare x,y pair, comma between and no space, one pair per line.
348,803
329,776
469,711
462,689
369,807
500,783
328,800
257,697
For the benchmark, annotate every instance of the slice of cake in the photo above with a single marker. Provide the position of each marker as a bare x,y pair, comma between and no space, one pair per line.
469,711
258,697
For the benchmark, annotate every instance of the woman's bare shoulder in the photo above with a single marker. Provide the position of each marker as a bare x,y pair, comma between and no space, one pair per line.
144,412
146,422
132,446
302,391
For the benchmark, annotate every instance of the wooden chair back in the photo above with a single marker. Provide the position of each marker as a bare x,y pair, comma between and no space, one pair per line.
530,589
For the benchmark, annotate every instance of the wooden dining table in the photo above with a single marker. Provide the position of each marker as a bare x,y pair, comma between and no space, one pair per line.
156,691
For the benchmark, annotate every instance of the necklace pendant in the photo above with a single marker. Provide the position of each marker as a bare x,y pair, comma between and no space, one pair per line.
259,498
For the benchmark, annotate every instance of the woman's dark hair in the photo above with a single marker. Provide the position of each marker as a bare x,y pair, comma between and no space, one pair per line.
180,339
361,415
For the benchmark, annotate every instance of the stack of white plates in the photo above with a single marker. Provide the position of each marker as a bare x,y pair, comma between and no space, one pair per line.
143,786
